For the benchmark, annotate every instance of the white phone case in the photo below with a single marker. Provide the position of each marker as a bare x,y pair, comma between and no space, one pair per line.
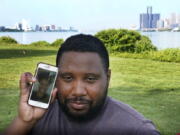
41,90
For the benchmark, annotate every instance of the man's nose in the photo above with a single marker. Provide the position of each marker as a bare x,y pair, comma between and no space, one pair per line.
79,89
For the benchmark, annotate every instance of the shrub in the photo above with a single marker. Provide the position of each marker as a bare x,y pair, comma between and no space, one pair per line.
40,43
144,55
144,44
7,40
122,40
57,42
169,55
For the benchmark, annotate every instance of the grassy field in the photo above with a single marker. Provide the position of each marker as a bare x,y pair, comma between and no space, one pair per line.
151,87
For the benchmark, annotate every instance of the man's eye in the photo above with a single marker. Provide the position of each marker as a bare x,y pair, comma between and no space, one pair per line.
91,79
67,78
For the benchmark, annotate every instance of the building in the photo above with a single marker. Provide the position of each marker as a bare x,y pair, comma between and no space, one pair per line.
53,27
2,28
20,26
160,24
25,25
149,20
37,28
154,20
166,23
48,27
178,19
144,21
172,19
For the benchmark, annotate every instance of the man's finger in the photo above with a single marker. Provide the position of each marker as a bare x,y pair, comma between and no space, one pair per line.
24,83
54,92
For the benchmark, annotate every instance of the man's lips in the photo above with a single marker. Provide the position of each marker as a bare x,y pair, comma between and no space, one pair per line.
78,105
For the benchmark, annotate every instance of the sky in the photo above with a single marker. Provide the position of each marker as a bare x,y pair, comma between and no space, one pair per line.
83,14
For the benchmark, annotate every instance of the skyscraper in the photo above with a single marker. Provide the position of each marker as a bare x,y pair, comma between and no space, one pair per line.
178,19
160,24
149,16
144,21
149,20
154,20
173,19
53,27
149,10
37,28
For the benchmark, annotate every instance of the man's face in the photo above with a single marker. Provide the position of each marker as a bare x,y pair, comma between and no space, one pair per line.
82,83
43,85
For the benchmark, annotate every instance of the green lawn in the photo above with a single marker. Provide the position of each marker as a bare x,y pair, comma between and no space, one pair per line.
151,87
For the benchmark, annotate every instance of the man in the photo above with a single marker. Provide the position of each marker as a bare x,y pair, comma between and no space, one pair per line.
82,106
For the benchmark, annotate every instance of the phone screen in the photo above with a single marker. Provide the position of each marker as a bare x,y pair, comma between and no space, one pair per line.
43,86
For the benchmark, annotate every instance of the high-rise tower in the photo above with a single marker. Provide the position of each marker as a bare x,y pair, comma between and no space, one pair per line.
149,20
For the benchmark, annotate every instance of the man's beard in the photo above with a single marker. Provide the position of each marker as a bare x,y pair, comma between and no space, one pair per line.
91,112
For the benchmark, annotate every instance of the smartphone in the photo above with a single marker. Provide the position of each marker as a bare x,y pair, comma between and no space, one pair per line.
41,90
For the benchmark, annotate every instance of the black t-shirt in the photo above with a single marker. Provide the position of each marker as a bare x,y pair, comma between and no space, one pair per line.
115,118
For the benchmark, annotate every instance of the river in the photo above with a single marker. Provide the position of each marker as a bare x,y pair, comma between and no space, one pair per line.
162,40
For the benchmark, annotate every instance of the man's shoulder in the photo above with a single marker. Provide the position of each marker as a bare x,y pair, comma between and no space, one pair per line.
120,108
124,117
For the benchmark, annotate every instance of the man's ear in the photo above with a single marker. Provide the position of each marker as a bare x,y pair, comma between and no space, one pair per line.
108,75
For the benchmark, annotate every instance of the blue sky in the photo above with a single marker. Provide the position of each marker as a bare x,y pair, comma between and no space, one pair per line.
83,14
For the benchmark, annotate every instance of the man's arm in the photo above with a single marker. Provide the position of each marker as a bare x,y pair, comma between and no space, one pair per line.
27,115
19,127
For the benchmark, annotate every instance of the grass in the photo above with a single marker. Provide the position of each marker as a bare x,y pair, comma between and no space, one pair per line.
151,87
14,60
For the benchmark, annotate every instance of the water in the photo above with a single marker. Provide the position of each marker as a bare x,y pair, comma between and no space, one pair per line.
162,40
29,37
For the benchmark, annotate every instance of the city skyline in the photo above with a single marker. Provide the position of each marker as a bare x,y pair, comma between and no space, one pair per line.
151,21
83,14
24,25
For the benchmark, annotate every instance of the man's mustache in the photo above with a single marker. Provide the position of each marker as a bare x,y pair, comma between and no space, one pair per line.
80,100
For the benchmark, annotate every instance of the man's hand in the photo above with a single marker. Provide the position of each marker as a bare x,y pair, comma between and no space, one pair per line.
27,115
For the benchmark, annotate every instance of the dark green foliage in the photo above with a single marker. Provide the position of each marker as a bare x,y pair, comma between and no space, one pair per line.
40,43
7,40
122,40
144,44
57,42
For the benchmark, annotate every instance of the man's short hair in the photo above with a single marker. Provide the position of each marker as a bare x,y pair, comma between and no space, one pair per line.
84,43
